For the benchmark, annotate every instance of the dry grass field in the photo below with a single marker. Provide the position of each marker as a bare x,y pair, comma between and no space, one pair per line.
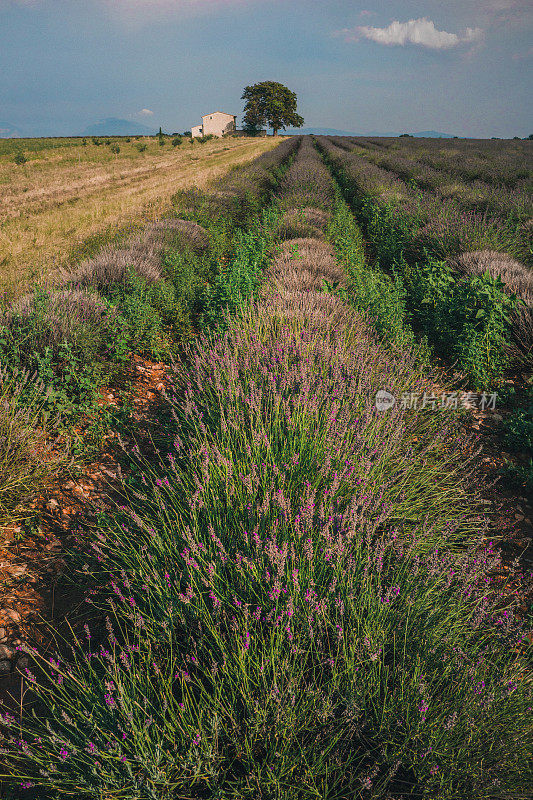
64,194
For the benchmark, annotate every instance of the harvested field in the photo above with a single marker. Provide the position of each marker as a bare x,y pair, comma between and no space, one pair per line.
62,196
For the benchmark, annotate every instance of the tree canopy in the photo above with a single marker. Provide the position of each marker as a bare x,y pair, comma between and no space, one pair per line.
270,103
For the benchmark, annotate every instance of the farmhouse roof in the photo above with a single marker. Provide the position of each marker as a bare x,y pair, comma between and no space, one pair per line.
218,112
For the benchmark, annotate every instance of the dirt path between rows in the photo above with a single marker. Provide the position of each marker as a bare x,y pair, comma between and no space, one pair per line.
35,600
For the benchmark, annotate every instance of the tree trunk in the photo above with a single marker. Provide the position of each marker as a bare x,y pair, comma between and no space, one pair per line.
275,132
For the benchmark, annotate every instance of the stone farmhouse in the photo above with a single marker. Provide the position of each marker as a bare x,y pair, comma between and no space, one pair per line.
217,124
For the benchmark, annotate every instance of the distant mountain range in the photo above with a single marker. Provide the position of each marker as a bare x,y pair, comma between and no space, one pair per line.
335,132
117,127
113,126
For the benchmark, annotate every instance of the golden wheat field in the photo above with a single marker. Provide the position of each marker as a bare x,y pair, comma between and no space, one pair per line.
64,194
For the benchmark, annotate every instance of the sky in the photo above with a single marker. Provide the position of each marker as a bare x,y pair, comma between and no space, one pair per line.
458,66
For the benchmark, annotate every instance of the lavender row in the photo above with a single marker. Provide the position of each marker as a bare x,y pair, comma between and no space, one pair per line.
513,201
496,162
427,223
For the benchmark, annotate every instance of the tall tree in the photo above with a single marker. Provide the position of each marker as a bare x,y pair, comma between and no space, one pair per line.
270,103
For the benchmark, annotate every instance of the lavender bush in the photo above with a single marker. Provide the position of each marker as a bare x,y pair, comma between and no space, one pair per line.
46,318
307,183
111,265
287,617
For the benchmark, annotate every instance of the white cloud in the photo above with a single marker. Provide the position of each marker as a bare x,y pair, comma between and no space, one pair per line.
416,31
145,112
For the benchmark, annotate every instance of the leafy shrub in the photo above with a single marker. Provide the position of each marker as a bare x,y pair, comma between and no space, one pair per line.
515,276
145,325
96,141
115,149
141,147
238,278
188,275
176,141
519,429
516,279
470,318
19,158
65,338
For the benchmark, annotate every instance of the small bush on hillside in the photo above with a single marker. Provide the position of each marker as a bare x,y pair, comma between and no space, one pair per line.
115,149
19,158
176,141
96,141
84,142
141,147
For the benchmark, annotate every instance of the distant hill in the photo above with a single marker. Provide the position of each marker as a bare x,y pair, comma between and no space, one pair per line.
117,127
420,134
335,132
9,131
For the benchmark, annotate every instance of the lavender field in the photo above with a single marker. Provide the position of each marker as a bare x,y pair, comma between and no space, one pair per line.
299,593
